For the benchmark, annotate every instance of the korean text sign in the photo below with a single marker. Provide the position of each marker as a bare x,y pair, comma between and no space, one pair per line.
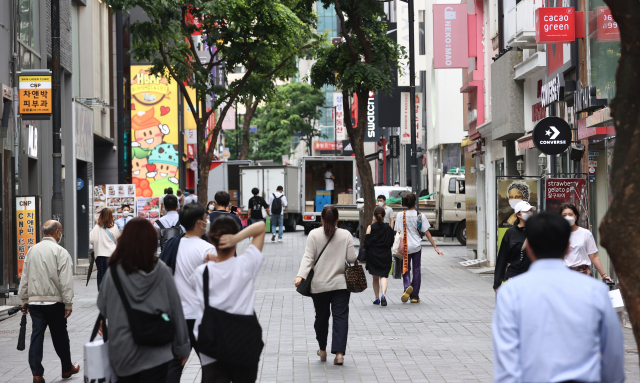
450,36
35,95
555,25
26,228
341,134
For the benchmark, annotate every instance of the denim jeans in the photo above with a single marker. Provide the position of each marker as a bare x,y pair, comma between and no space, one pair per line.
277,220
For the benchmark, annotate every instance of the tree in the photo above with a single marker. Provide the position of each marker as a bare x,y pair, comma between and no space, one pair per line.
359,64
262,36
620,226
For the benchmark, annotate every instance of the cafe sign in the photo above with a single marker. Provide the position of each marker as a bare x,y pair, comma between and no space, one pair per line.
555,25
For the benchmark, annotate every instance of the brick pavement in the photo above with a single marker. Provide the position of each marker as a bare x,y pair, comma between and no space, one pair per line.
445,338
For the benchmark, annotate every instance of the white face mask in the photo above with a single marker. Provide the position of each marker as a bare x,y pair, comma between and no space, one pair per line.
526,215
59,238
381,204
211,207
126,213
514,202
571,220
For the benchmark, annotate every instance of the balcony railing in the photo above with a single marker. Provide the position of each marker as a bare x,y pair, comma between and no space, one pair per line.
522,24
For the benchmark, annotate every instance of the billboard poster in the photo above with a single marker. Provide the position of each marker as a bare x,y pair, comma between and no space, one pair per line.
27,227
148,208
510,192
564,190
114,196
154,127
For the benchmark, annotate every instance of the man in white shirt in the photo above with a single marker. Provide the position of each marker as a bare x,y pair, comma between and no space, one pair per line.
126,217
388,212
192,252
277,203
170,219
329,182
191,197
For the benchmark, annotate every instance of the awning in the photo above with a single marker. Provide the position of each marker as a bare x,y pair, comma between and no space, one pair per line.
466,142
525,142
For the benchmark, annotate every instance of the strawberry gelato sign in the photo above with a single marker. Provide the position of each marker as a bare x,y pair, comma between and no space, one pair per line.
555,25
154,130
450,37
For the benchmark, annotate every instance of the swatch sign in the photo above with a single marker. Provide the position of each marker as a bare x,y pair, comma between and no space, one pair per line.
450,37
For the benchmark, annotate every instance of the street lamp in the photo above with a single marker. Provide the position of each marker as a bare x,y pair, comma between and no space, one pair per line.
520,166
542,162
335,128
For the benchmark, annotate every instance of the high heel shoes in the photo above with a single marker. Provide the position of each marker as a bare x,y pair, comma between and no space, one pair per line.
322,355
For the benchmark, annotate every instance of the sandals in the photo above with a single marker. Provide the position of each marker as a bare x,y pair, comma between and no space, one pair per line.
376,302
383,301
322,355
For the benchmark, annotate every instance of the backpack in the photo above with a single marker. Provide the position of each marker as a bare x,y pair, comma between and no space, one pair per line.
166,233
276,205
169,254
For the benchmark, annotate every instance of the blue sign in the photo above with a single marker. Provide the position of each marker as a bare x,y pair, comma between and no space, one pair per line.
253,129
79,183
592,178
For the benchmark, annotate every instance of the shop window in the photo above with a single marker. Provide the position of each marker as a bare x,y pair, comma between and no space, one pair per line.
604,49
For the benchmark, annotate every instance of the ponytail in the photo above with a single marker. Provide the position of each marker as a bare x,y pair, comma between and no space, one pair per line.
329,218
379,214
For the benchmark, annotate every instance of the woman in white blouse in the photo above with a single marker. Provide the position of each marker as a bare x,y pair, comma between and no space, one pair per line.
104,237
583,250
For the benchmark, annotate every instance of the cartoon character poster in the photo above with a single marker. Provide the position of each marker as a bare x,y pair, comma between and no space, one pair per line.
154,130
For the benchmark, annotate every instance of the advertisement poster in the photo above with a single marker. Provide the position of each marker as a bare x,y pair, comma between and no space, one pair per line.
113,196
564,190
27,227
341,134
154,129
148,208
510,192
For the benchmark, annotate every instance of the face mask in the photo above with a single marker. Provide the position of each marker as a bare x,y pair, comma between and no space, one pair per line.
381,204
526,216
202,227
125,213
59,238
514,202
571,220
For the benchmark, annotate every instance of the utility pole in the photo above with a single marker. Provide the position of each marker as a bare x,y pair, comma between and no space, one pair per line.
412,102
57,199
122,151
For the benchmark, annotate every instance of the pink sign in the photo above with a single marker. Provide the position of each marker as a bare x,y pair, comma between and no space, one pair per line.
450,38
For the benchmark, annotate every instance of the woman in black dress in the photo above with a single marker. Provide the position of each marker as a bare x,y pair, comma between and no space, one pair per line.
377,244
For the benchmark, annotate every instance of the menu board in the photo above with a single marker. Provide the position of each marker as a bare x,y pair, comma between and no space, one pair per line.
113,196
149,208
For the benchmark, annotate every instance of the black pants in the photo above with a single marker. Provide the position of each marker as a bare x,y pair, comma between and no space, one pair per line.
52,316
219,372
102,264
152,375
337,303
175,366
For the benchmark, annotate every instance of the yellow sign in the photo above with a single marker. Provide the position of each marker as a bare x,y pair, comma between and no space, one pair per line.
35,95
25,228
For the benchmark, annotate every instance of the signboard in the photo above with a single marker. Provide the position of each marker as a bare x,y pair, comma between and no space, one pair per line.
148,207
191,136
563,190
607,27
79,183
113,197
35,95
555,25
450,37
552,135
538,112
373,132
394,146
552,91
418,106
405,119
27,227
510,192
326,145
585,99
403,41
32,148
341,134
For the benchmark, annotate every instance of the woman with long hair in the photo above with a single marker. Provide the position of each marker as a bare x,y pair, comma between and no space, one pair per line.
329,286
104,238
148,286
377,244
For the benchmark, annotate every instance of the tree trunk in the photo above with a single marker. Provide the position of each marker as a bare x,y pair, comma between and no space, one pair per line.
251,107
620,226
204,161
356,137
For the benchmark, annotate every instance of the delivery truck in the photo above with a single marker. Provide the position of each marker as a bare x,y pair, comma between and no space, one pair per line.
225,176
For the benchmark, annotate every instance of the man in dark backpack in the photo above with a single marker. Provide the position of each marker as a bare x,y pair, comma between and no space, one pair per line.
277,203
169,225
256,204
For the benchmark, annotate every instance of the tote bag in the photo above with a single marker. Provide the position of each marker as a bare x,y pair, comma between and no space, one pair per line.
96,356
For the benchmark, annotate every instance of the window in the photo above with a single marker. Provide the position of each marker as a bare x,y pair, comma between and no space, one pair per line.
327,20
327,133
604,49
452,186
461,184
421,46
28,33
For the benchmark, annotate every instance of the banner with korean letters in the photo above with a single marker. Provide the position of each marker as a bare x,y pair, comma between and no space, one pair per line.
405,117
341,134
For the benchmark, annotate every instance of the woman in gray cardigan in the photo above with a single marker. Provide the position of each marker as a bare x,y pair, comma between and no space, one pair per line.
148,285
329,286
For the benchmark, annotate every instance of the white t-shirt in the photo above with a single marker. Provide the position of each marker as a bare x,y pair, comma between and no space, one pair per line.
581,244
231,287
191,254
388,214
328,181
190,199
414,242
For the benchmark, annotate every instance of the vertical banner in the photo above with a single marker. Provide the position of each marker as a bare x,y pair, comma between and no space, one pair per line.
27,227
403,41
154,127
341,134
405,118
450,37
373,130
419,98
510,192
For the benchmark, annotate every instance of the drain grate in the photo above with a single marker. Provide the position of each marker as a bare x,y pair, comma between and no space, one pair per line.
472,262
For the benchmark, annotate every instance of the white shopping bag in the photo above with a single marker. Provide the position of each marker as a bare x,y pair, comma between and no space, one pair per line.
616,300
97,368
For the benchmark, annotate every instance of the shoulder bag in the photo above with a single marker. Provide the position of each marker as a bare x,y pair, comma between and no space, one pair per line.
229,338
304,287
356,280
398,243
109,234
147,329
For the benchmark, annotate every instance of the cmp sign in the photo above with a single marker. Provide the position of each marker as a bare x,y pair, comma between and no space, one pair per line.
552,135
555,25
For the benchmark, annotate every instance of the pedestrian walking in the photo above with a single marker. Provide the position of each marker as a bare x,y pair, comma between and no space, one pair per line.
210,207
277,203
388,212
512,259
181,196
221,202
416,225
256,204
231,289
329,182
192,252
148,287
104,238
126,217
583,251
551,324
46,285
329,287
377,244
169,225
190,196
168,191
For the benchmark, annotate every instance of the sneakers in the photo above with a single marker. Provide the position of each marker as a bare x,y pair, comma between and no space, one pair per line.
273,238
415,300
279,239
376,302
407,293
383,301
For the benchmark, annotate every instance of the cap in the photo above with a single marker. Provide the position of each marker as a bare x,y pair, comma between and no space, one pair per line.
523,206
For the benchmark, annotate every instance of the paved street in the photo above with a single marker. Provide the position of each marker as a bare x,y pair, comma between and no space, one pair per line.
446,338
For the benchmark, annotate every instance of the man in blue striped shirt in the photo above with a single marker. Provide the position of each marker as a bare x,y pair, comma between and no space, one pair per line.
552,324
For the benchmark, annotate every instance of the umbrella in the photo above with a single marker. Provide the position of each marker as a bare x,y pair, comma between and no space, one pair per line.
23,332
92,260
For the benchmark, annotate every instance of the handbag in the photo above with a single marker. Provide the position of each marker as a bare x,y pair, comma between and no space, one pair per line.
398,244
304,287
265,215
229,338
97,367
147,329
362,255
356,280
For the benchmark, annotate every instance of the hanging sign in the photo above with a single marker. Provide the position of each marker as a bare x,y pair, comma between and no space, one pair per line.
341,134
552,91
450,37
585,99
405,118
35,95
555,25
552,135
27,223
373,130
394,146
607,27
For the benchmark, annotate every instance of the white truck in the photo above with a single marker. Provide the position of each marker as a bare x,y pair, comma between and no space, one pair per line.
225,176
267,179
